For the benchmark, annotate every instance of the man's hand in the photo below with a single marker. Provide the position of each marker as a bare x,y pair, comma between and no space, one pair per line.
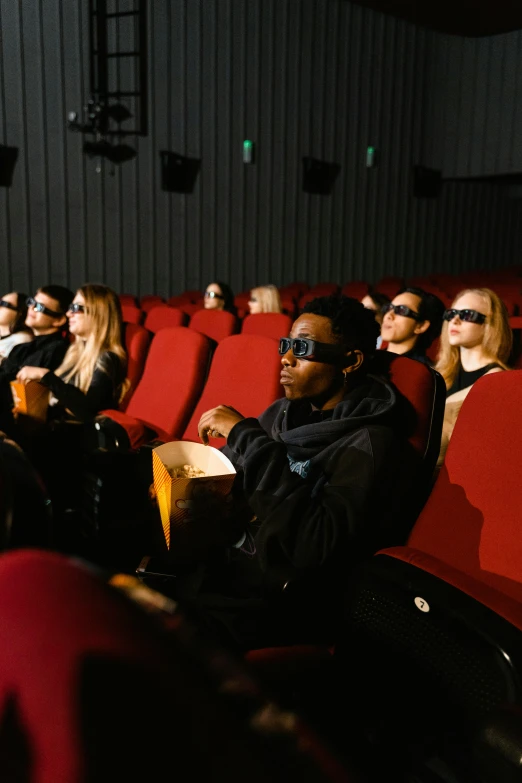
27,374
218,422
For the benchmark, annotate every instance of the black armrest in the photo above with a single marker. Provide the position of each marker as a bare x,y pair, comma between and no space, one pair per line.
497,749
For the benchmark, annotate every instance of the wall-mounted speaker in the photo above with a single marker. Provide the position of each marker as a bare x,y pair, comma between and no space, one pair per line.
8,157
178,173
427,183
319,176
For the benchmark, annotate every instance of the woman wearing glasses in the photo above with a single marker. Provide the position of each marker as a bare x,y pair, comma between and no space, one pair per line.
476,340
264,299
13,331
219,296
91,377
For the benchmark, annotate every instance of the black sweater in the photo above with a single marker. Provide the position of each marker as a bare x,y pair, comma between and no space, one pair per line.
47,350
102,394
325,493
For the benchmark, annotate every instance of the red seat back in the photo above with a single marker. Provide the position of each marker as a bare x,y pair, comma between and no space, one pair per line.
127,299
172,380
324,289
472,518
425,393
273,325
163,316
216,324
130,314
83,669
150,301
137,340
249,387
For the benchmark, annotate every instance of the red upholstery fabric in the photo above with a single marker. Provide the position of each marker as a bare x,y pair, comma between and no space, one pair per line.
162,316
131,314
127,299
177,301
171,383
273,325
194,295
216,324
482,590
58,618
472,518
250,387
416,382
190,308
137,340
324,289
357,289
148,302
295,290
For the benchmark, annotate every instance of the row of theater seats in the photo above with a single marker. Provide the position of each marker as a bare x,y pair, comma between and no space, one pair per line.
428,662
506,282
182,377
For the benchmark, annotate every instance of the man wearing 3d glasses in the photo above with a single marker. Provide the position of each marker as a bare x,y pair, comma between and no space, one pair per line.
322,471
46,317
412,321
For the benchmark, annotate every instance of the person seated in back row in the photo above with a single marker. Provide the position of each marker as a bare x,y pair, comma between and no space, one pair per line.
412,321
324,473
13,329
264,299
48,323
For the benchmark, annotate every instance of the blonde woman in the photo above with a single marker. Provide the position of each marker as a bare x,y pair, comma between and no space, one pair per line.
476,340
91,377
264,299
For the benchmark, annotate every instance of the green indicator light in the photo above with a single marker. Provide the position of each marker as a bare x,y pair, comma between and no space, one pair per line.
247,144
371,150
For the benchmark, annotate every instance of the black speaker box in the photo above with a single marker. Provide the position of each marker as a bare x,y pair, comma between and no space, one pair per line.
8,156
178,173
319,176
427,183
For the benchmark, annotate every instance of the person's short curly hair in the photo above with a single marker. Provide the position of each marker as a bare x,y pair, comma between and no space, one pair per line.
353,323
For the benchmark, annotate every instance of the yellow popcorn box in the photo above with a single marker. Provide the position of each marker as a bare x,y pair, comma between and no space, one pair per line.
174,495
31,399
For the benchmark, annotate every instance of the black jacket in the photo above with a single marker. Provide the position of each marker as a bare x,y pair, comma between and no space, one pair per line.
325,492
102,394
47,350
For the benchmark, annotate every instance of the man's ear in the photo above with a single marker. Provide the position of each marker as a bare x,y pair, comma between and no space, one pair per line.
353,361
59,322
422,327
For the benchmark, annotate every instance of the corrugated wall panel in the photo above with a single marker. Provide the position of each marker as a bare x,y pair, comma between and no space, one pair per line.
319,78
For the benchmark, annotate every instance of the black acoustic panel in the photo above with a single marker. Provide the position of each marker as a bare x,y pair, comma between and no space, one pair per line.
8,156
319,176
178,173
427,183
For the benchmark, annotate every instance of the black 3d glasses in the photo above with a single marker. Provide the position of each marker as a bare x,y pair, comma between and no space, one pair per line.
40,308
5,303
304,348
399,309
76,307
473,316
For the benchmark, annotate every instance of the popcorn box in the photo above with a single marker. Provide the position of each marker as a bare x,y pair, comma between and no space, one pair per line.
174,494
31,399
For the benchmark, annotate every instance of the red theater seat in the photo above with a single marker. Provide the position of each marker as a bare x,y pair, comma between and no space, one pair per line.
273,325
357,289
324,289
137,341
127,299
216,324
148,302
249,387
131,314
164,316
171,383
445,611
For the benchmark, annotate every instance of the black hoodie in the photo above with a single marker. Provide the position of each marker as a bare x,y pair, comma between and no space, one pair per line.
325,490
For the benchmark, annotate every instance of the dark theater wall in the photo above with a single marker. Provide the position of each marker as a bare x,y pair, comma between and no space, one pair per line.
322,78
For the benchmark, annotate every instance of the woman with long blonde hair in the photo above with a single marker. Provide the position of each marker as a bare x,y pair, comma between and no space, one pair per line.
91,377
265,299
476,340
